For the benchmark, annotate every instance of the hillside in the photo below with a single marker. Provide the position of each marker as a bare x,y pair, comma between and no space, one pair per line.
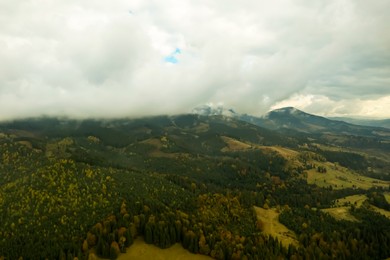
91,187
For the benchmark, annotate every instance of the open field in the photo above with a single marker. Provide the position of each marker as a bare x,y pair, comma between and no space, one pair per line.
380,211
341,211
142,251
234,145
356,200
340,177
272,226
160,144
288,154
387,196
284,152
202,127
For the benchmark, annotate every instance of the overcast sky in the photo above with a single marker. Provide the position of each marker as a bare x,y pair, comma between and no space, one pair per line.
146,57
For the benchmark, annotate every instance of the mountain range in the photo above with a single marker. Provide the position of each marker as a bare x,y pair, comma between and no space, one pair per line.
291,119
211,180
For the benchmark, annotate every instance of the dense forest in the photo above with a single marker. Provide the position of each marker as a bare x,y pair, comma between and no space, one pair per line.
77,189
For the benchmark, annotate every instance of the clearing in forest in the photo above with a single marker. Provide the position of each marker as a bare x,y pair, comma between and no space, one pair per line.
380,211
272,226
387,196
356,200
342,208
139,250
341,213
339,177
234,145
160,144
284,152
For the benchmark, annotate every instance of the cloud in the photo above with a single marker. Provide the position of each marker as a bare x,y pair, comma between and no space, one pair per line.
323,105
151,57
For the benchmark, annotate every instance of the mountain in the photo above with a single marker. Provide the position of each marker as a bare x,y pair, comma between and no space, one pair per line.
292,118
288,119
366,122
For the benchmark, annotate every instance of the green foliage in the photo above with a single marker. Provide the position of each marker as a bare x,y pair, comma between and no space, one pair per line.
377,198
340,239
350,160
47,205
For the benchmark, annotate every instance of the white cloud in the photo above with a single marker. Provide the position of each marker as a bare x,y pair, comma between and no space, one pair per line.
107,58
322,105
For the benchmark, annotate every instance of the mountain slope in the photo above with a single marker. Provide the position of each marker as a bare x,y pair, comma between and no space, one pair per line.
292,118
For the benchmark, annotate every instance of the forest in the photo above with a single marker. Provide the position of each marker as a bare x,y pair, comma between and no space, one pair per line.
83,189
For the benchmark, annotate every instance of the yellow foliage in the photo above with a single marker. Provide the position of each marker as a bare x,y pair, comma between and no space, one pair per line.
93,139
88,173
85,246
92,256
91,239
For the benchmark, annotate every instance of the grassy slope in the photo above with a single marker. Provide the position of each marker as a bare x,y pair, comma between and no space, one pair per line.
272,226
356,200
336,176
341,211
380,211
342,208
142,251
340,177
387,196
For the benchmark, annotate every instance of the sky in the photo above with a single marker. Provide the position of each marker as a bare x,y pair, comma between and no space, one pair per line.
147,57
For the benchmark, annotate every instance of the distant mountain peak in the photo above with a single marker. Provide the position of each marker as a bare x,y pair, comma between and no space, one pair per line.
287,110
284,111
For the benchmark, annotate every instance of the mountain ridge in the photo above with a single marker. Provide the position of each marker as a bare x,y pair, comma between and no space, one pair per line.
290,118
